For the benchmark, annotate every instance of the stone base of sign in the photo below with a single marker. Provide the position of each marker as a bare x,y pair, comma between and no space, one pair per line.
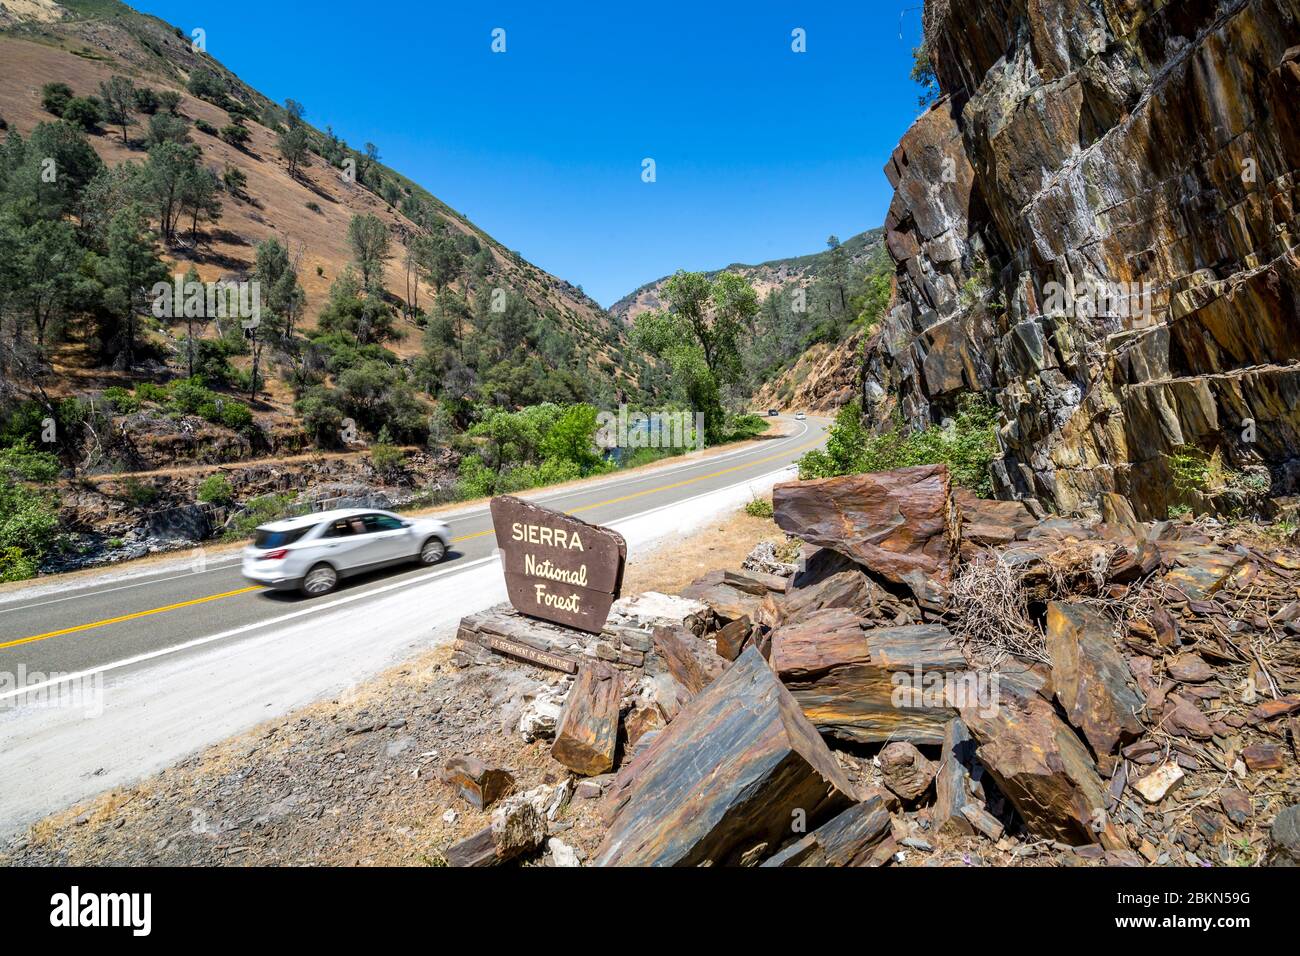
501,631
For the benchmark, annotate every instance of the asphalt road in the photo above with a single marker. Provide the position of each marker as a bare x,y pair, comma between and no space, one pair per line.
93,625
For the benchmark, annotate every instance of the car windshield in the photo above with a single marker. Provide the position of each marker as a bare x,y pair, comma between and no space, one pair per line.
266,538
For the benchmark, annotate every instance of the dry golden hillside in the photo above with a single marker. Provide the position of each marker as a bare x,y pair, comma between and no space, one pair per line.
41,42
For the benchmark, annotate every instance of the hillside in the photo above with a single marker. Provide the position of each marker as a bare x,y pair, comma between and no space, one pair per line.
85,43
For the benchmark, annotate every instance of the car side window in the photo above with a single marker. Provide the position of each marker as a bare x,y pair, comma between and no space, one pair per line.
339,529
382,523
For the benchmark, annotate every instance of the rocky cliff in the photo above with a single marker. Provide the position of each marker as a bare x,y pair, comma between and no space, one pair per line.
1096,227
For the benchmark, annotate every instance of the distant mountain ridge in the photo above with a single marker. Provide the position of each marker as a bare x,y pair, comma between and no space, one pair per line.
764,276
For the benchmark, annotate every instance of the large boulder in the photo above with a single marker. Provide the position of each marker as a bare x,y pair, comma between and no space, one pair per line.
903,524
733,776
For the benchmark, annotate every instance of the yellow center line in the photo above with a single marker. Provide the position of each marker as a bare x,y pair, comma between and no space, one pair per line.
130,617
464,537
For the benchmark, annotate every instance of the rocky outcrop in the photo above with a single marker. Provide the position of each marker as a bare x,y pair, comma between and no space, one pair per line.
1096,228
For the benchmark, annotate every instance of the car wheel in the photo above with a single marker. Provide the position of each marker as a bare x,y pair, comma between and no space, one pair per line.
321,579
433,551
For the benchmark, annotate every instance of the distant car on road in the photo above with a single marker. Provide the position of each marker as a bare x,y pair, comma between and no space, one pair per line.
312,553
773,412
800,416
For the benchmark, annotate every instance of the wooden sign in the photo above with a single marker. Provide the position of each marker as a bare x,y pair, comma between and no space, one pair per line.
558,568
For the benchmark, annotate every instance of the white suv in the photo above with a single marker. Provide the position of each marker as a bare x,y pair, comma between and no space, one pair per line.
314,551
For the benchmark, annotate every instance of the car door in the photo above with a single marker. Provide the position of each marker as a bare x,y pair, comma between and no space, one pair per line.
348,545
392,538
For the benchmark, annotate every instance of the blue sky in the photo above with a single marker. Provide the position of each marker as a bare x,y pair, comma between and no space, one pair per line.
760,152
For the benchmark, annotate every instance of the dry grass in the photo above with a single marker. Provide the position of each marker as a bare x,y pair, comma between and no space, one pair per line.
724,543
992,610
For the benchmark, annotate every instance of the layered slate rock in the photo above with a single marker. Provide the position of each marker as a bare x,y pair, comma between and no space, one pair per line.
857,837
1044,769
587,735
954,786
728,776
868,684
1076,144
1090,678
901,524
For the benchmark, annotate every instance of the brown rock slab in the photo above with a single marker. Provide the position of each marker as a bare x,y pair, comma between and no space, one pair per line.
1183,718
1043,769
641,720
587,734
844,677
479,785
954,787
1090,677
676,647
738,767
731,638
1189,669
1236,804
901,524
1271,709
983,821
850,839
1262,757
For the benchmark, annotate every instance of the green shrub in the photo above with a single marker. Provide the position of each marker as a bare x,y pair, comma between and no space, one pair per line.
188,395
15,565
386,458
742,427
1190,470
123,402
55,97
234,134
138,494
29,524
216,490
236,416
967,445
23,462
151,392
84,112
258,512
759,508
